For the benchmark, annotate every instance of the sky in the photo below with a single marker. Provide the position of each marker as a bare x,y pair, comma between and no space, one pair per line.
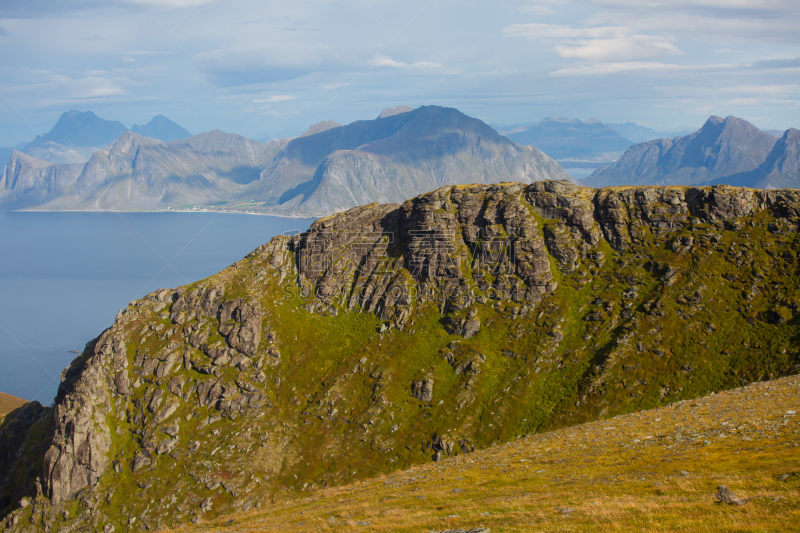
270,69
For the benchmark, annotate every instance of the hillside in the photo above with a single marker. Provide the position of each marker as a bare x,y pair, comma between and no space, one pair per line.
574,140
8,403
656,470
398,155
392,335
720,149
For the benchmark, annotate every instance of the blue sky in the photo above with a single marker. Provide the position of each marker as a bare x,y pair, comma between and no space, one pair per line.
262,68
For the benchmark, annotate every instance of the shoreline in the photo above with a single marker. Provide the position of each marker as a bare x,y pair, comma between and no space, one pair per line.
315,217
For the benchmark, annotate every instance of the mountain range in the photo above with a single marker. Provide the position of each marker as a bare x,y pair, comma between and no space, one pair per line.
401,153
572,139
728,151
330,167
137,172
393,335
78,135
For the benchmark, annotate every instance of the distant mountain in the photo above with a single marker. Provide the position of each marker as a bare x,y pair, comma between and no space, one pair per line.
161,128
392,158
319,127
573,139
27,181
139,172
391,111
76,132
637,133
55,153
81,129
776,133
781,168
721,148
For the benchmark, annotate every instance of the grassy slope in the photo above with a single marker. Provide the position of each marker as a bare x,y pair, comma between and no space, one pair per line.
656,470
8,403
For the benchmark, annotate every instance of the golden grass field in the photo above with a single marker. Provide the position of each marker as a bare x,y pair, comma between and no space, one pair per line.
656,470
8,403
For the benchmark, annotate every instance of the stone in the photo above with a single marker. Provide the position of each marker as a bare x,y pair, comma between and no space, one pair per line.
122,383
108,528
172,430
140,460
423,390
166,446
726,495
206,504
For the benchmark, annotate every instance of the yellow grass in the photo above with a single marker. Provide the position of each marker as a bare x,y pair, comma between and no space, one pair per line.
8,403
654,471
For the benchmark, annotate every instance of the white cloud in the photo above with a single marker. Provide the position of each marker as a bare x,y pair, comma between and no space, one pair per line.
168,4
614,43
385,61
275,99
631,66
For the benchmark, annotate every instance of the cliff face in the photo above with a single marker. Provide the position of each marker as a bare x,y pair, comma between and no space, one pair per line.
391,335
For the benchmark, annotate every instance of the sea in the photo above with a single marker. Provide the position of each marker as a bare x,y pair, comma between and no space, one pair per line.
65,275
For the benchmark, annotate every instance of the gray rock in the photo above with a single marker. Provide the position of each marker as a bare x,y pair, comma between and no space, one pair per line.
726,495
166,446
140,460
206,504
423,390
122,383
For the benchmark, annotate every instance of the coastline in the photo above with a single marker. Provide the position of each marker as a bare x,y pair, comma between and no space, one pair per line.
160,211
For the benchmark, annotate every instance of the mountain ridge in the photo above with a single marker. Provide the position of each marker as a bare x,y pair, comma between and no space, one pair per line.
720,148
420,149
327,169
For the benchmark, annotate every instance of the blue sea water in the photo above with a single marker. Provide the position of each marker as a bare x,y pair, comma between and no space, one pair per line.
64,276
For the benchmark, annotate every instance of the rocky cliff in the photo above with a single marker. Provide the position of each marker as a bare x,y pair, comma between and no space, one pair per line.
391,335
